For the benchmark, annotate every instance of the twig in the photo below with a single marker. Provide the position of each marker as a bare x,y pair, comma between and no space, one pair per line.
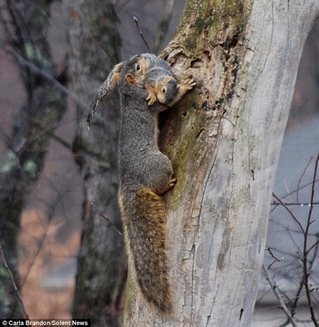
109,221
141,33
292,192
279,297
301,177
313,246
290,212
298,295
301,204
13,282
273,256
297,298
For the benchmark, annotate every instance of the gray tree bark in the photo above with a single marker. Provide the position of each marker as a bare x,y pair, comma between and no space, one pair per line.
101,274
224,140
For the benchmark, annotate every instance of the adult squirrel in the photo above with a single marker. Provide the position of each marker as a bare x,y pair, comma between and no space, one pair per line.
145,172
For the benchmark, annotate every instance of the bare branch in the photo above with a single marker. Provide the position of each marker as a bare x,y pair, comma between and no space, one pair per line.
290,212
313,246
109,221
279,296
273,256
301,177
13,282
301,204
142,35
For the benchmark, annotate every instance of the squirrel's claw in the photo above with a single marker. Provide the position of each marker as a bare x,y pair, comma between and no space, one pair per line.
189,83
151,98
172,182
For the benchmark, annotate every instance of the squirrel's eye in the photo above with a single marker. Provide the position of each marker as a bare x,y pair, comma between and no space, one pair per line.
137,67
164,90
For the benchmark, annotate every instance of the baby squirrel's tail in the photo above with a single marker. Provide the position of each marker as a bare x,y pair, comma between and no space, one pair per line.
145,228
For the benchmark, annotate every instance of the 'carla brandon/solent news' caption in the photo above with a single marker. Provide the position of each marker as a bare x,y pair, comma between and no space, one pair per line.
45,322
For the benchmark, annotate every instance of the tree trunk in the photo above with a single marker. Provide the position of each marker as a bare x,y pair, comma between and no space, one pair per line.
95,45
33,127
224,140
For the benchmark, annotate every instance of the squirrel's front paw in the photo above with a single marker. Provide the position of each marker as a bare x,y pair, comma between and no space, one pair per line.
188,83
172,182
151,98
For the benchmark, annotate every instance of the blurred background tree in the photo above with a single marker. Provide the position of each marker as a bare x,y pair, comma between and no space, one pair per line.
24,29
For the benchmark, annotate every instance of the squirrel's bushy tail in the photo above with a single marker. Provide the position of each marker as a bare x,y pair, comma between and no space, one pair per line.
145,231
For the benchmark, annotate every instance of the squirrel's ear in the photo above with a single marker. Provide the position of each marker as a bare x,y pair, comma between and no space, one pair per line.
109,84
130,79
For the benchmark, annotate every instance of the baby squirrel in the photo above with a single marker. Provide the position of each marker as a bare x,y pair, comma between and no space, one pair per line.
162,86
146,87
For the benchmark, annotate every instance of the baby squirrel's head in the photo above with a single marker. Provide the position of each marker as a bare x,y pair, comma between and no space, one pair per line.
166,88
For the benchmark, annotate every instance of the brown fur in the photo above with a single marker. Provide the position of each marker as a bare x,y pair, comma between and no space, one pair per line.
145,232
